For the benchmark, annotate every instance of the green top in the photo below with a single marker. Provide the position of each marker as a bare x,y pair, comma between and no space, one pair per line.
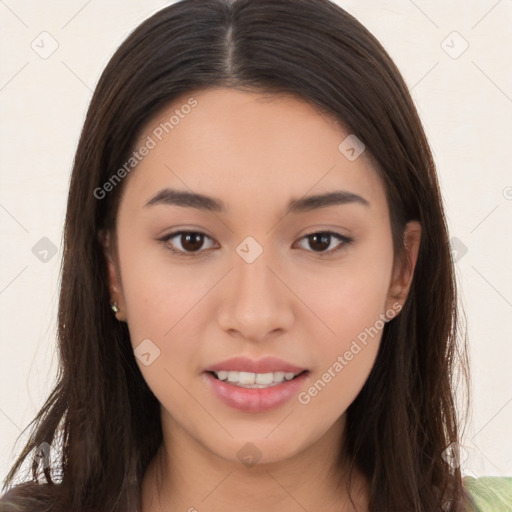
490,493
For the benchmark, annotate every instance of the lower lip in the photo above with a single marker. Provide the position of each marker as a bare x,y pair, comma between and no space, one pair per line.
255,399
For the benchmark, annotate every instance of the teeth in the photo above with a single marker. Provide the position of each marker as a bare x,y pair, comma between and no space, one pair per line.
232,376
254,380
222,375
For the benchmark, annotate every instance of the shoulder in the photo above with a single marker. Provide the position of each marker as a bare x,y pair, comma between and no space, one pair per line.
490,493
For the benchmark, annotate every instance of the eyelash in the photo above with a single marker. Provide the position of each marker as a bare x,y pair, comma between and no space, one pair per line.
346,241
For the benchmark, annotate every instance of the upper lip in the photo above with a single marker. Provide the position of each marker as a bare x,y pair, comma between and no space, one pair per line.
263,365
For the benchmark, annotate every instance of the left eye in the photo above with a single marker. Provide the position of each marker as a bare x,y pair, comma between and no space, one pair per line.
192,241
323,240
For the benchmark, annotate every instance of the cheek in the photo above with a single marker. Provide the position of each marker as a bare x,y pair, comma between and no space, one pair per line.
344,353
350,296
157,295
162,304
350,302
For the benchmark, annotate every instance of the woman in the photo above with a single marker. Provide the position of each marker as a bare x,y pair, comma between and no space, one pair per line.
258,304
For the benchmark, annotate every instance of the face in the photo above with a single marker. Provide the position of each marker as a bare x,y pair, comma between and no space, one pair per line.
200,281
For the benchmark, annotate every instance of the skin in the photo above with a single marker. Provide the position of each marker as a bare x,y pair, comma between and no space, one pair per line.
254,153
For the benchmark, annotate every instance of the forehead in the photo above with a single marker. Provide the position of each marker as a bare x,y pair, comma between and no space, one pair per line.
254,144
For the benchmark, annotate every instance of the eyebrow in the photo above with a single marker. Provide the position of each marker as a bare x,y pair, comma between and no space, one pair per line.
169,196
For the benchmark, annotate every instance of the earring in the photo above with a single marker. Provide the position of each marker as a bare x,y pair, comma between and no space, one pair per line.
114,307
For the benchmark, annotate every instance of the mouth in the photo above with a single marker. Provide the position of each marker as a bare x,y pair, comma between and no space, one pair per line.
255,392
252,380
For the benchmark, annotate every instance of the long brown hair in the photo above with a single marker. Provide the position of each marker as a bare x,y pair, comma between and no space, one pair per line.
101,418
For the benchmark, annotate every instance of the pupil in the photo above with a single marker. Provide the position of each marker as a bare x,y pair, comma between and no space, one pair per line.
194,245
323,237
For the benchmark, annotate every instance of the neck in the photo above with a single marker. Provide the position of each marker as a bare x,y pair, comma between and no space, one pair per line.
186,476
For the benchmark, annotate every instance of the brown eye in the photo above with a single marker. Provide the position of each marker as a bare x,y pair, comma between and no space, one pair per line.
191,241
186,242
322,240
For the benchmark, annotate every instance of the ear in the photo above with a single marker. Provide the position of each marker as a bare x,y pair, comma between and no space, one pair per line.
114,276
403,271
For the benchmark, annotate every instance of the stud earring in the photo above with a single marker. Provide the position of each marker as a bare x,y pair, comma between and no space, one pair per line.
114,307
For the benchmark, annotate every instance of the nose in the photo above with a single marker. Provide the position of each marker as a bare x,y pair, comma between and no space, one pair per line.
256,304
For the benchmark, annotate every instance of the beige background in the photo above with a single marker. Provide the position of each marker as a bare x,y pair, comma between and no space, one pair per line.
464,98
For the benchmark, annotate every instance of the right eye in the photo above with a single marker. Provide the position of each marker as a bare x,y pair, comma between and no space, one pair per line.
191,242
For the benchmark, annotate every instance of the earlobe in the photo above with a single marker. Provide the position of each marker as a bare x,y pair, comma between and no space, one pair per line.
114,282
403,271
